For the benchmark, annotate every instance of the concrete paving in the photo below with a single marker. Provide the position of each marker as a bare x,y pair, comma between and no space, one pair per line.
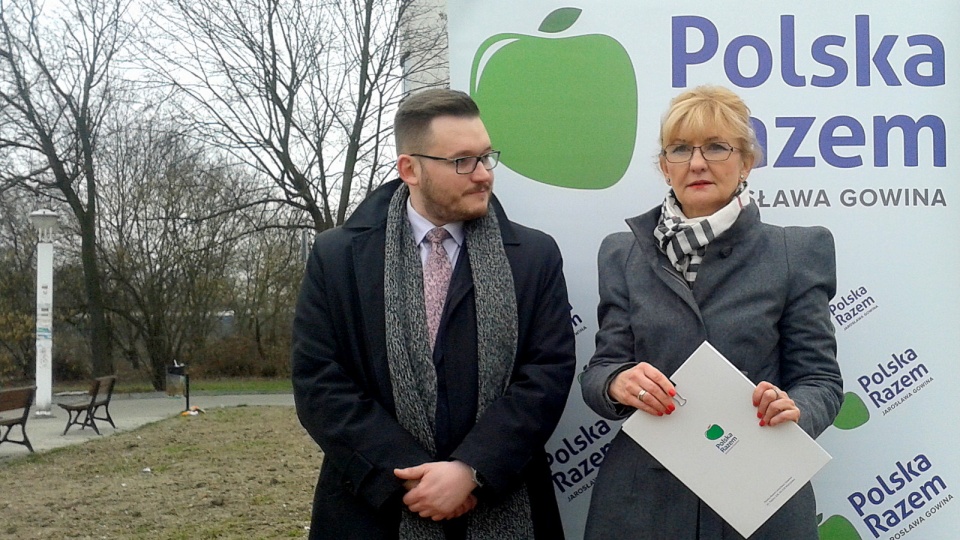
128,412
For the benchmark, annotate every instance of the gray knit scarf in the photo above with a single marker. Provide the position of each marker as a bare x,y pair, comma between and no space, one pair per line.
412,371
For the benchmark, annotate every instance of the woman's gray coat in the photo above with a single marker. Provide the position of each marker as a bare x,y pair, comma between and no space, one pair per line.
761,297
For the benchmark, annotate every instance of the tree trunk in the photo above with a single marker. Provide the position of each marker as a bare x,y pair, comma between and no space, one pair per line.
100,343
157,353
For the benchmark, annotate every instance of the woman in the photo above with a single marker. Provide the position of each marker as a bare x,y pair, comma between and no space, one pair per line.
703,267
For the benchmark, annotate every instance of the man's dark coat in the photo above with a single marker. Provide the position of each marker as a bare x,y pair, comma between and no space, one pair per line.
345,399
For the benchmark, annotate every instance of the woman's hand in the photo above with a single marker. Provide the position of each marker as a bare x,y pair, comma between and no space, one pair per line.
644,387
773,405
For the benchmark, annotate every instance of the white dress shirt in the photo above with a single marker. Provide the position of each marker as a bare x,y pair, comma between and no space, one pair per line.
421,226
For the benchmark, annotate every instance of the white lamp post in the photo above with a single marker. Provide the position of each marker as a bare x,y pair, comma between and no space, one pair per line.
47,224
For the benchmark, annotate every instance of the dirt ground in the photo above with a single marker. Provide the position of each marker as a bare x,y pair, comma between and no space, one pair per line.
244,472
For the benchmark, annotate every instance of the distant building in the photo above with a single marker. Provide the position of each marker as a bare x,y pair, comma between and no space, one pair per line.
425,58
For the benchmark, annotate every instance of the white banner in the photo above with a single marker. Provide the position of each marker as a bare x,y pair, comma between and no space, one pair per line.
854,103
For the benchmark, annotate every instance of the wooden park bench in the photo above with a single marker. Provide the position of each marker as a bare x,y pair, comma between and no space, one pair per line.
14,399
101,390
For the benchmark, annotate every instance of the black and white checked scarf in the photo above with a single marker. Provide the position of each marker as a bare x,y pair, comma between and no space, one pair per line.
684,240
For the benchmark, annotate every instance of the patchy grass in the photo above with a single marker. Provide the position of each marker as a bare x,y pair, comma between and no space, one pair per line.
209,386
244,472
242,386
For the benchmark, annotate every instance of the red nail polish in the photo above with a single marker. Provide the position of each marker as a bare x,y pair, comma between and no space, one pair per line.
659,414
762,423
673,393
671,408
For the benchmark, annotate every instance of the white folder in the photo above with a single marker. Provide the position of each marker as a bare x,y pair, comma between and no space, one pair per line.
714,444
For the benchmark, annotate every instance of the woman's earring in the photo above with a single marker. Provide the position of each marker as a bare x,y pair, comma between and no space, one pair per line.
741,177
668,180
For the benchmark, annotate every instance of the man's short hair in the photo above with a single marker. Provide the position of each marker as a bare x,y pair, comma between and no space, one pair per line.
411,126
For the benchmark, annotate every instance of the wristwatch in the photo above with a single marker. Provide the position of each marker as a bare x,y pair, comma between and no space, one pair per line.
477,479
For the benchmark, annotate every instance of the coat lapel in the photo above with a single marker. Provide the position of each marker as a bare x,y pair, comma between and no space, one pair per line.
368,255
724,254
367,251
671,278
461,283
642,228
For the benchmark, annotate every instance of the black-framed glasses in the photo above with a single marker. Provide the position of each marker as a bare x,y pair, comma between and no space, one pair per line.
712,151
468,164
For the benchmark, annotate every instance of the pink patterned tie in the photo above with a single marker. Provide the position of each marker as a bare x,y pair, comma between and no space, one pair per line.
436,280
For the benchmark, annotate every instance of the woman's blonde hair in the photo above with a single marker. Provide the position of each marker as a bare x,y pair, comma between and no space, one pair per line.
707,109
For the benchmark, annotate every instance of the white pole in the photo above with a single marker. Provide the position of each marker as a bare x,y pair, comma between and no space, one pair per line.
46,223
44,329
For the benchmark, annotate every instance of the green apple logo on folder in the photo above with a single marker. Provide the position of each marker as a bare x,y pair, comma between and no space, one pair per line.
714,432
562,110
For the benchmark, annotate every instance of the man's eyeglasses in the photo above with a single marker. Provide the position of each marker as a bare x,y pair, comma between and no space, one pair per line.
682,153
468,164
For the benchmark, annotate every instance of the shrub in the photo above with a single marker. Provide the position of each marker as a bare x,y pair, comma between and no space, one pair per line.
238,356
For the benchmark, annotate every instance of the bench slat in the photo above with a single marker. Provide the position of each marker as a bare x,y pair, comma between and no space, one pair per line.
100,393
16,399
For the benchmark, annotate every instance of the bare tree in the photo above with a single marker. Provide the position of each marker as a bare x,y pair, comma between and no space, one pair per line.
169,271
17,287
18,248
299,92
57,81
298,89
265,281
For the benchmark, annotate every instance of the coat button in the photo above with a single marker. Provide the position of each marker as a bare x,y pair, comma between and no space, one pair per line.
725,252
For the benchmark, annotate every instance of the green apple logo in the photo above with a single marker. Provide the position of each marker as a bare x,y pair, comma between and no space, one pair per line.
563,110
714,432
837,528
853,413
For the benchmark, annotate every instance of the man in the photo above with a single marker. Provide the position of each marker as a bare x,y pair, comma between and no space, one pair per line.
432,402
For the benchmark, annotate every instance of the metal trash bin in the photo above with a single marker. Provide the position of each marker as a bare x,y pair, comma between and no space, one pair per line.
176,380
